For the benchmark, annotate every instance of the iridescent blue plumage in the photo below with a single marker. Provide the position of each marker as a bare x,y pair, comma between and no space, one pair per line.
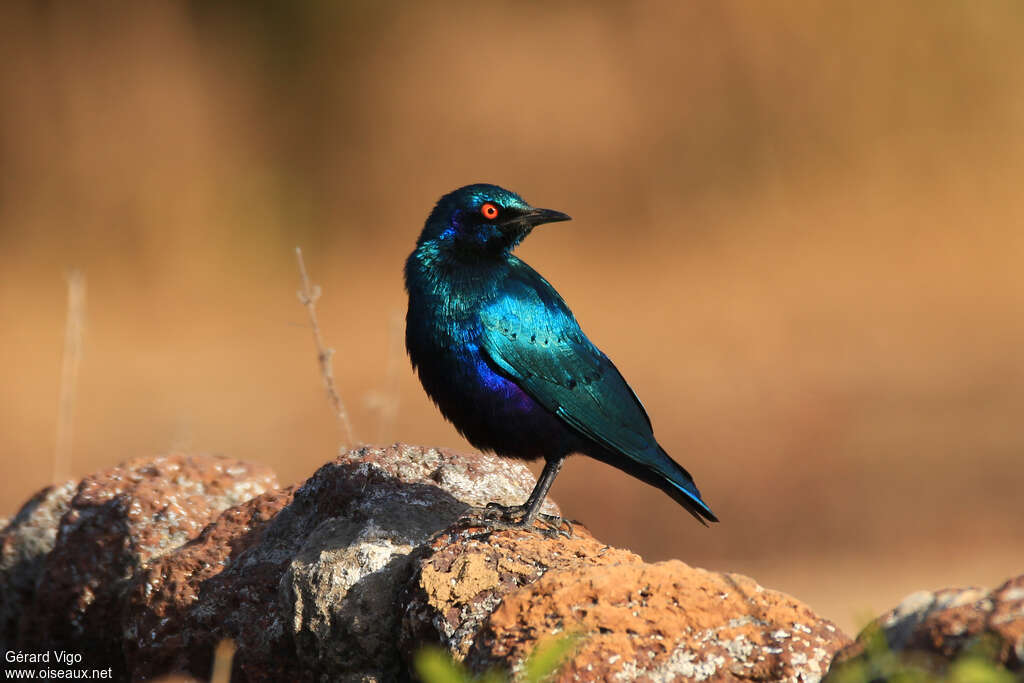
503,357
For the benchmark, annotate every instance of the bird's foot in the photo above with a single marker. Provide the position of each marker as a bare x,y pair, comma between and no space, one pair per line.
491,513
508,511
497,516
555,526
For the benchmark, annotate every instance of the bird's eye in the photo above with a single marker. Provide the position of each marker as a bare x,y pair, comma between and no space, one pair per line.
489,211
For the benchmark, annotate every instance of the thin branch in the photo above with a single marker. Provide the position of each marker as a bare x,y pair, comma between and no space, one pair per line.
71,360
223,657
308,296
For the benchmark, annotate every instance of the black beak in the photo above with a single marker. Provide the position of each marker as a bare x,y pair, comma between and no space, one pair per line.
540,216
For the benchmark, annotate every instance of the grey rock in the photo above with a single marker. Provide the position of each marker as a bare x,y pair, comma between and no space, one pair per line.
342,586
931,629
25,542
317,591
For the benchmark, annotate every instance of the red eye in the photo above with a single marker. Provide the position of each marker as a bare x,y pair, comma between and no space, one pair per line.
489,211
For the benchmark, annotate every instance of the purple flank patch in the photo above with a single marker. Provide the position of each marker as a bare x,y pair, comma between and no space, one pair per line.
492,384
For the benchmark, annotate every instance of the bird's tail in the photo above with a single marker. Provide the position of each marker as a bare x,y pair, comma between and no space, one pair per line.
674,480
661,471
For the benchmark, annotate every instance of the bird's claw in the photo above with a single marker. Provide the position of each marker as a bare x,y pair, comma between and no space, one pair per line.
486,514
507,511
553,526
497,516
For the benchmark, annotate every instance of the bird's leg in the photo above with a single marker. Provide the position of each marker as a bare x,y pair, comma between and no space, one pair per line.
522,516
540,491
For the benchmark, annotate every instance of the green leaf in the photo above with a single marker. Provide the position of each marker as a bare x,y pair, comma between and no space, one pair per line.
978,670
493,676
434,665
548,657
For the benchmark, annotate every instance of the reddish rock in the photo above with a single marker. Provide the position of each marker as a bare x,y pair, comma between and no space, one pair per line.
656,622
931,629
491,597
158,635
1006,623
461,576
118,520
24,543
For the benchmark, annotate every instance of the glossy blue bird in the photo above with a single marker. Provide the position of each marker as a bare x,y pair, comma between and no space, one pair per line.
504,359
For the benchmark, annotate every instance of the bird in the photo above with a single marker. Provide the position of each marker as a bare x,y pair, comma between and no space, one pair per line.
502,356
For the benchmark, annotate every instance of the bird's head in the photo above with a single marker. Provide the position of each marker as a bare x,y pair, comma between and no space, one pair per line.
477,220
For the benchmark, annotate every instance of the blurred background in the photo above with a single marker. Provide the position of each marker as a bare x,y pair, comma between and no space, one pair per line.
797,232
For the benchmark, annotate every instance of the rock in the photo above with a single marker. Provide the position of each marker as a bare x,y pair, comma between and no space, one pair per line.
472,478
348,576
158,634
24,543
931,629
315,589
462,575
118,520
658,622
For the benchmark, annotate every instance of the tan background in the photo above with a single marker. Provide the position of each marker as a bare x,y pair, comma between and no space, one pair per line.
797,232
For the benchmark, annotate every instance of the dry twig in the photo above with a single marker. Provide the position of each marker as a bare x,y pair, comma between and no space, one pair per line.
223,657
71,360
308,295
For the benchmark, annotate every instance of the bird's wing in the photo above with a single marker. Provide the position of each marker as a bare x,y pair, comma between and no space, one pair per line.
531,335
